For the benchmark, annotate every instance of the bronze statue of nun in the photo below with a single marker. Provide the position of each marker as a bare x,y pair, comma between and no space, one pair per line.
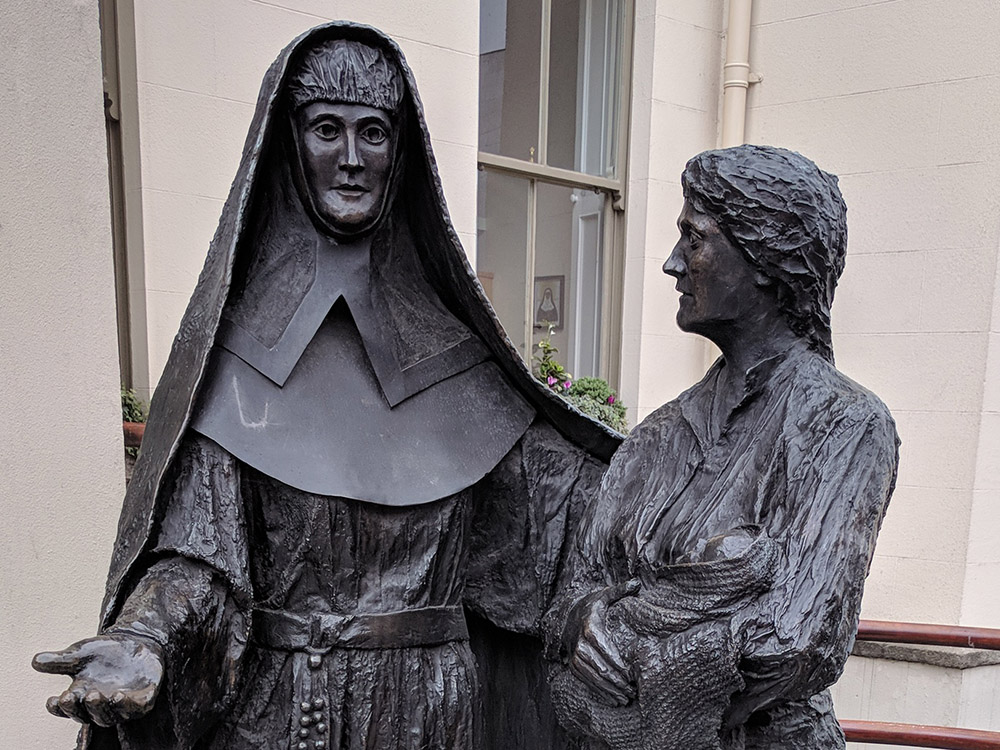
344,456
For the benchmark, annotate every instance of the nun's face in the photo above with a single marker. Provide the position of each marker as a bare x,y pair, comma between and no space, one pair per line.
347,152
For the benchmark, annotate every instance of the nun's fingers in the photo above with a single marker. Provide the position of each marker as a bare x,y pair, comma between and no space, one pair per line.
131,704
70,704
99,708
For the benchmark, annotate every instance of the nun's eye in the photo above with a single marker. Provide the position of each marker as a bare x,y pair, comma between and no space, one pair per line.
326,130
374,134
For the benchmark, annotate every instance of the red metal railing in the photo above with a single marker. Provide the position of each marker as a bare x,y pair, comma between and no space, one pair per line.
921,735
929,635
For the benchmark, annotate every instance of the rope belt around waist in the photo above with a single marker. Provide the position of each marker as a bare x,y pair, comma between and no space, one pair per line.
318,633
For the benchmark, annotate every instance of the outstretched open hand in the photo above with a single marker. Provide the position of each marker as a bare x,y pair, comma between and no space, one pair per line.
115,678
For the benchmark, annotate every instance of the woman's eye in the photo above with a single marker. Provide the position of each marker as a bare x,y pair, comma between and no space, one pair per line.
374,135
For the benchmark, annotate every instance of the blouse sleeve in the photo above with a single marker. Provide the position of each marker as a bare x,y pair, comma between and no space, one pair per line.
801,631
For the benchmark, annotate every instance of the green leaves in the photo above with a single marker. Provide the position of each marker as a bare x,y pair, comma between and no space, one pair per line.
592,396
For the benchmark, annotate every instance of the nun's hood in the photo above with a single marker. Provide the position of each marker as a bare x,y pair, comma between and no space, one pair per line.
444,264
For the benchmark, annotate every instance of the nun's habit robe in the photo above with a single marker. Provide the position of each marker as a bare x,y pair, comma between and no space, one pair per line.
247,572
809,458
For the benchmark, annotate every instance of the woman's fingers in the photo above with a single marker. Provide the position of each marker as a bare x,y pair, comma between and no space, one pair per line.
596,660
590,666
590,676
599,642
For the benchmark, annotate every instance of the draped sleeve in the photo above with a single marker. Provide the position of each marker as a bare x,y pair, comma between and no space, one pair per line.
527,511
525,517
192,598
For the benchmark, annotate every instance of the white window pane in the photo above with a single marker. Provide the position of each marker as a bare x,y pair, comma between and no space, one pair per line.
568,274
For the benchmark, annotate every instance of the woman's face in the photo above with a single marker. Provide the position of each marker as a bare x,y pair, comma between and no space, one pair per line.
347,153
718,285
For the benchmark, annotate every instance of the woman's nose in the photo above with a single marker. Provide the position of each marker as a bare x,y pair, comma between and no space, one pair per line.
674,265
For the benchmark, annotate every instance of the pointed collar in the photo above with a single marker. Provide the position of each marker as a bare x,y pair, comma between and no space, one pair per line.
343,270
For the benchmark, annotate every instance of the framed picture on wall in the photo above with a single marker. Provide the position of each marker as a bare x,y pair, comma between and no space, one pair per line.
549,302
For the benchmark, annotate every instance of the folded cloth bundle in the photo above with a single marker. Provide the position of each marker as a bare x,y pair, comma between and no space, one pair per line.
678,634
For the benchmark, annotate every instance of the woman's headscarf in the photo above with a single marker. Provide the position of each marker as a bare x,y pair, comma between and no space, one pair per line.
788,218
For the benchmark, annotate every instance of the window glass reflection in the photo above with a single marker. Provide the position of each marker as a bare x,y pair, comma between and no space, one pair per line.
584,59
510,53
501,249
568,274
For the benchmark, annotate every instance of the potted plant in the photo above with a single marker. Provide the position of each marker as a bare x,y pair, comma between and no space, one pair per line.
592,396
134,413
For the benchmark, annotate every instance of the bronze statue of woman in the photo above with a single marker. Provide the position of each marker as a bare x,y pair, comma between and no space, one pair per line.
343,455
719,573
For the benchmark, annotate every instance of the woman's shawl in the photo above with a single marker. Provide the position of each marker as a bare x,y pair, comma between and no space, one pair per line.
445,265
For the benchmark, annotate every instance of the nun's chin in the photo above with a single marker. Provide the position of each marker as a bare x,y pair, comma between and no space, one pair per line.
351,214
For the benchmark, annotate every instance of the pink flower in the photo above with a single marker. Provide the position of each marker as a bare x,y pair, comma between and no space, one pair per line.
551,380
611,399
567,384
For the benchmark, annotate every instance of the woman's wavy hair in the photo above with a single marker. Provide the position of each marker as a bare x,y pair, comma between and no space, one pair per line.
788,218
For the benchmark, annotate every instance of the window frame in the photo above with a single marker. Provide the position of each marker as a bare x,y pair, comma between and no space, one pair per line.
536,170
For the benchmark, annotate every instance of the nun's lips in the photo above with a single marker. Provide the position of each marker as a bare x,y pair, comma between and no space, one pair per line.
351,189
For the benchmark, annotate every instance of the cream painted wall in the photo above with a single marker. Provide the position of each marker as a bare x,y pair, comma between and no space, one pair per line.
900,100
61,447
980,603
917,693
199,67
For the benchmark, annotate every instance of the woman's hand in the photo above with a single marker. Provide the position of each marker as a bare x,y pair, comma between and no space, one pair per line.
595,659
116,678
